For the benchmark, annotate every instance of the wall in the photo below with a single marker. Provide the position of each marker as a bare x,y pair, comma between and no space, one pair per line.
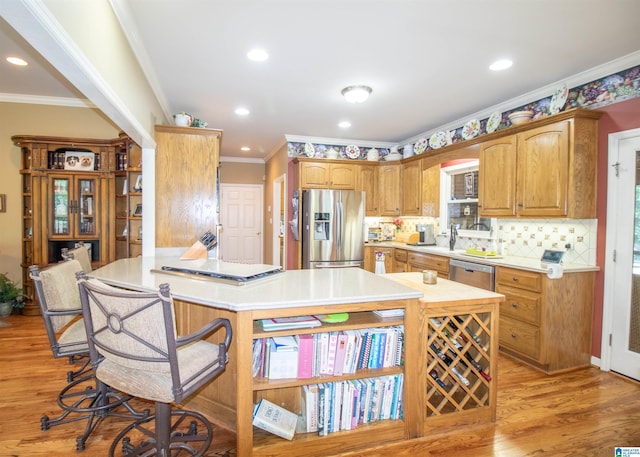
26,119
275,167
618,117
241,172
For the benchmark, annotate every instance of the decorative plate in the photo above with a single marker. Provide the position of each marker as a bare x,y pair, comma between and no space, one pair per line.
558,99
493,122
353,152
309,150
420,146
438,140
470,129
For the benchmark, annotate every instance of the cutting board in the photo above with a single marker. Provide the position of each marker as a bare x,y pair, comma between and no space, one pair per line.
407,237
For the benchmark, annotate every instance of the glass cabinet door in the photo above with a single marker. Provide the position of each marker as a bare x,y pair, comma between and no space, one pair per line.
61,205
86,206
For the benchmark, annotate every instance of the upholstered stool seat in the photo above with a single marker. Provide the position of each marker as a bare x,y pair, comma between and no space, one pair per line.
133,337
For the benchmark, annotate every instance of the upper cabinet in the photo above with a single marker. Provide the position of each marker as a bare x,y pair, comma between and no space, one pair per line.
186,180
389,185
368,182
327,175
430,190
545,170
412,188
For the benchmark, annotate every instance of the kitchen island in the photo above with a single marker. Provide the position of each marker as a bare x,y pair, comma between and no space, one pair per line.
462,311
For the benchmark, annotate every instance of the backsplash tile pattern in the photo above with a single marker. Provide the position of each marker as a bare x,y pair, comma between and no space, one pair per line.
523,237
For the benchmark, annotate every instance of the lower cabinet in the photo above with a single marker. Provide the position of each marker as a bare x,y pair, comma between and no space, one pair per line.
400,264
546,322
419,261
370,258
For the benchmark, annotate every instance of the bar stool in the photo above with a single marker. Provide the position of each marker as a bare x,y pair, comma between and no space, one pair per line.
133,336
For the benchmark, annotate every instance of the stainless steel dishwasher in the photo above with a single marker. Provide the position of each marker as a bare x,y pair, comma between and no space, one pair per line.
473,274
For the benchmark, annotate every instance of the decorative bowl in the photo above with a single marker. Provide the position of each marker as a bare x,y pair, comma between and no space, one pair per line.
520,117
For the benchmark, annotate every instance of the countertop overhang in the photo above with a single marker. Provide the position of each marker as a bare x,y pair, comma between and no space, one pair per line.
523,263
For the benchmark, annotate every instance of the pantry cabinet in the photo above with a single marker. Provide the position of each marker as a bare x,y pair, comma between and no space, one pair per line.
544,169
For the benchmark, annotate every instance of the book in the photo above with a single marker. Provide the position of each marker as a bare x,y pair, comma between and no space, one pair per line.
341,351
286,323
275,419
397,312
283,357
309,407
305,356
331,355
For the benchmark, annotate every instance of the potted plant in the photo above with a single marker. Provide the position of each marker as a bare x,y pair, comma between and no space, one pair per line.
10,296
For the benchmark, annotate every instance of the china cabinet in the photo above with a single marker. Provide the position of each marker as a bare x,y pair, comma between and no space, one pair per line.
128,200
67,197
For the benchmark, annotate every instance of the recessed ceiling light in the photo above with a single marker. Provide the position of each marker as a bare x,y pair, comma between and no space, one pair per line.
356,94
245,148
242,111
500,65
344,124
17,61
258,55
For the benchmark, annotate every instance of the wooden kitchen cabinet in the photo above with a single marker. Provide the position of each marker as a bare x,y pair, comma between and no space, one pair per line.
544,169
400,257
419,261
412,188
430,201
368,183
370,258
326,174
546,322
390,190
186,176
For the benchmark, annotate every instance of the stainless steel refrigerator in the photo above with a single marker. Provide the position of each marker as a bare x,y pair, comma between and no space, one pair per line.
332,228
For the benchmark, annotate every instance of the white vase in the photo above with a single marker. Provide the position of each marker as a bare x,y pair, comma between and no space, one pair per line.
373,155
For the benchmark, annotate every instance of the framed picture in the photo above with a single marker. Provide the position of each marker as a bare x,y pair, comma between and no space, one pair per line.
138,210
138,185
78,160
469,184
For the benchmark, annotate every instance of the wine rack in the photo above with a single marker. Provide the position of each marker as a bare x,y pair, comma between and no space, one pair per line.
461,364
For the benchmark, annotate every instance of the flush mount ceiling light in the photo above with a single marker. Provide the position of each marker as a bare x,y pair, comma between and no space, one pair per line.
245,148
344,124
356,94
499,65
17,61
241,111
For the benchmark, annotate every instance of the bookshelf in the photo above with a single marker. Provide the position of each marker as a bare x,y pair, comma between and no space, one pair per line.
128,197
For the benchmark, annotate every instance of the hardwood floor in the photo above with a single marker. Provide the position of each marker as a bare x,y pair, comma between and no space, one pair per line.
581,413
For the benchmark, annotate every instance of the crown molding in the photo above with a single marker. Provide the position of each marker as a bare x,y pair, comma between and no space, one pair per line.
241,159
46,100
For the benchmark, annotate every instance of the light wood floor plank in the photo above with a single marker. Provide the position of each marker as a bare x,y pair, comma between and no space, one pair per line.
582,413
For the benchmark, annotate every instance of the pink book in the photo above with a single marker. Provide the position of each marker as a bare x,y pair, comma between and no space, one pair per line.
331,356
305,356
341,351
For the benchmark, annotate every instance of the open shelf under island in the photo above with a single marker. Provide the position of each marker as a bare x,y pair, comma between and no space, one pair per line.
448,367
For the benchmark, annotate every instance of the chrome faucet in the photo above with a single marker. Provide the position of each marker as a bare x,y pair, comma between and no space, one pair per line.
452,237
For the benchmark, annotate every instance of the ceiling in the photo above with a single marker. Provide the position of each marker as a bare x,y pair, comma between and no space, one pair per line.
427,61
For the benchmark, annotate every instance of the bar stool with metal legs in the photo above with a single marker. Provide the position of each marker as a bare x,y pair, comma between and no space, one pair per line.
134,334
84,398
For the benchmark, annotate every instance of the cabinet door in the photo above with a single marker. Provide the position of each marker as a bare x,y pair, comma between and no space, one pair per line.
390,190
314,175
431,191
73,211
411,188
342,176
497,178
368,182
543,166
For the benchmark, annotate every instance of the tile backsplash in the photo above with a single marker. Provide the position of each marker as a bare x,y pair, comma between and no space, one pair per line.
525,237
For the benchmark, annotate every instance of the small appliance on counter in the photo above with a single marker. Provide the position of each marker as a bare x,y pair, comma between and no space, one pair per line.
425,235
374,234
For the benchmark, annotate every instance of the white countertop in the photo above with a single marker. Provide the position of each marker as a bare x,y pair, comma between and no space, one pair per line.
291,288
523,263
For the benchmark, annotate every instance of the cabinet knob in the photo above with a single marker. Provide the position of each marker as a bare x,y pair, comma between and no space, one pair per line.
515,279
513,335
515,305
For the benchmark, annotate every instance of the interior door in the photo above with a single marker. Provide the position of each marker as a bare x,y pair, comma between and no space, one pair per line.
241,219
621,322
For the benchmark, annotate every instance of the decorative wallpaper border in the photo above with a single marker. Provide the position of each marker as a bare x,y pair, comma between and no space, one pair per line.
617,87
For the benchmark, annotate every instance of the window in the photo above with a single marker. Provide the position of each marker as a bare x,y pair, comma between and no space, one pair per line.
459,200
